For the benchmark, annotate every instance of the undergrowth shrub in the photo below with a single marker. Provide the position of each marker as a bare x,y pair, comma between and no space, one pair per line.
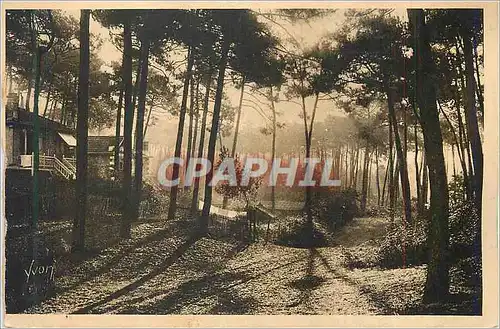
154,200
331,209
403,245
334,207
300,235
408,244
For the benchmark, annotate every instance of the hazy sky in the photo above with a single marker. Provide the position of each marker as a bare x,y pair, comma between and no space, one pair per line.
307,34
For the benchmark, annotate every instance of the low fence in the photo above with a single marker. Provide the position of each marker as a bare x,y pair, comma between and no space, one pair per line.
256,224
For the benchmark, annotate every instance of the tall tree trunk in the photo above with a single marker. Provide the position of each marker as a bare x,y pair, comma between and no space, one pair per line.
400,152
392,199
453,160
417,173
438,280
396,180
364,180
82,133
236,130
238,117
356,168
219,134
273,151
455,137
479,92
346,165
37,60
28,94
47,102
377,177
180,131
213,135
196,189
137,78
464,140
471,120
338,167
425,182
53,107
62,118
127,197
9,74
196,118
190,128
139,136
370,179
308,134
147,122
117,134
383,199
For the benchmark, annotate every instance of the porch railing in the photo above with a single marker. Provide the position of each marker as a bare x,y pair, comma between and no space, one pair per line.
69,162
64,167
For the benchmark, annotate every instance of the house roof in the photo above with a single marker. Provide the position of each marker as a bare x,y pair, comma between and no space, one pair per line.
68,139
21,117
102,144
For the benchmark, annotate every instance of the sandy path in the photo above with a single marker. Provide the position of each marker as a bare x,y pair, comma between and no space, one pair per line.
167,273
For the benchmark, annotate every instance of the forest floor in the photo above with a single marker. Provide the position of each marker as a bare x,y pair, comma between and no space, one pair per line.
161,270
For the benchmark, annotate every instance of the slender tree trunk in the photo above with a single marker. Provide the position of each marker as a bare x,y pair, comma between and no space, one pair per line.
469,176
438,280
117,133
52,109
127,203
139,136
63,112
236,130
377,176
238,117
453,160
396,180
455,137
356,168
400,152
37,61
479,92
369,194
425,182
219,134
392,199
9,74
147,122
364,180
346,165
82,133
180,130
196,189
28,94
471,120
308,135
213,135
47,102
196,117
417,173
273,151
385,182
190,128
137,78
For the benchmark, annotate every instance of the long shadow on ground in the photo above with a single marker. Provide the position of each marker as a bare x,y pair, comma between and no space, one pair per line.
115,259
134,285
215,292
375,297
